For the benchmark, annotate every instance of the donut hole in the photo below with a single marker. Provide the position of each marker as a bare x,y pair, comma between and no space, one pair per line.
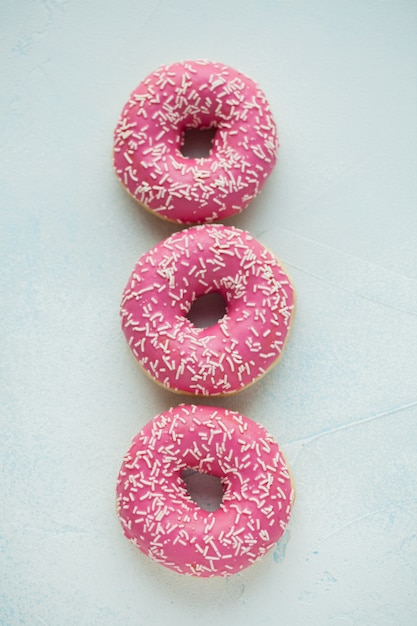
207,310
197,142
204,489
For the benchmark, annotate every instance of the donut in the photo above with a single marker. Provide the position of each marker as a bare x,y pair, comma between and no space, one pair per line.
242,346
159,516
150,133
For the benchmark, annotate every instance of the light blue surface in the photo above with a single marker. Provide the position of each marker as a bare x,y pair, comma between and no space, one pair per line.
339,210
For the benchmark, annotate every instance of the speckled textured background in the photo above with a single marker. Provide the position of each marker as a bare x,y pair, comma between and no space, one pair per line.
339,210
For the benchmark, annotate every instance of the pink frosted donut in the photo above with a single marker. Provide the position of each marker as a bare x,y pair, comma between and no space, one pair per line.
157,513
229,355
150,132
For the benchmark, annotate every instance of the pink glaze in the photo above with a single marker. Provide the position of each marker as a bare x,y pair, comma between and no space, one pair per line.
159,516
149,136
242,345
